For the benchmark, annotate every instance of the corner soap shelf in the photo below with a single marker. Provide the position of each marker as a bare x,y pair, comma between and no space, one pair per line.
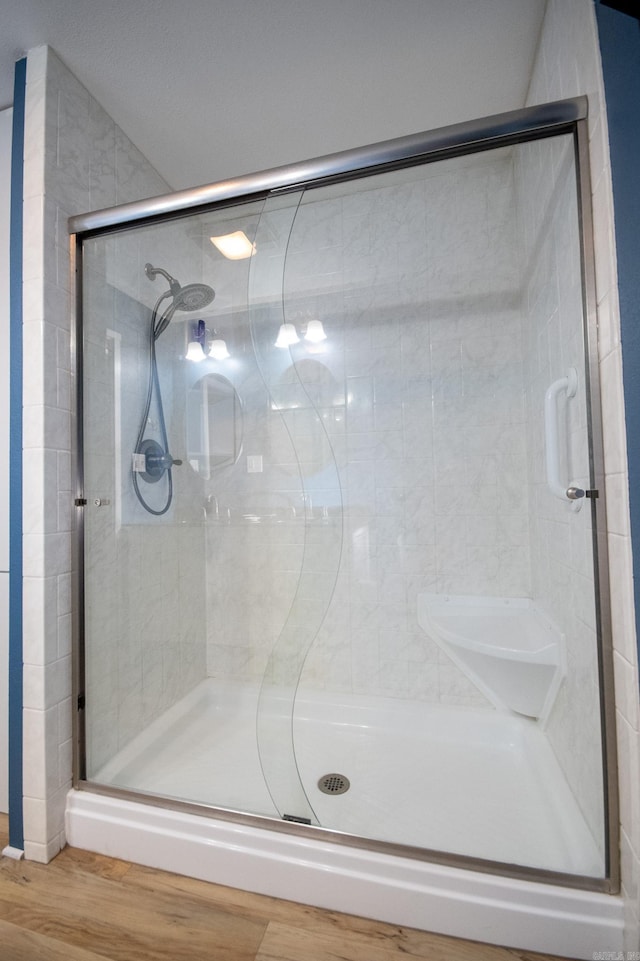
507,646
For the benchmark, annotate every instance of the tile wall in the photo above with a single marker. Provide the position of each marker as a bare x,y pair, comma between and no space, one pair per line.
76,159
272,542
409,419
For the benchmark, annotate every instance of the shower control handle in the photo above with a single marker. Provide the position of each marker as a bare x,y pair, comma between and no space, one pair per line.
151,461
160,462
575,493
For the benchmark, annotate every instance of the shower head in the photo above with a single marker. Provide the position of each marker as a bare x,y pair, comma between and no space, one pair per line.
193,297
190,297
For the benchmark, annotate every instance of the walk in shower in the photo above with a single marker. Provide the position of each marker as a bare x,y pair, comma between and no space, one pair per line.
340,503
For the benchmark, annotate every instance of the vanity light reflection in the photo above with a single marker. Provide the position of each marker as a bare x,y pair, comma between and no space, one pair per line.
288,335
197,346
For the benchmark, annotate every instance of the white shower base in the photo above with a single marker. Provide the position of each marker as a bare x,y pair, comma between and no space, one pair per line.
479,783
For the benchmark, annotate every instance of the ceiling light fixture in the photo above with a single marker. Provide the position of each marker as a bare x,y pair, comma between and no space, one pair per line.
235,246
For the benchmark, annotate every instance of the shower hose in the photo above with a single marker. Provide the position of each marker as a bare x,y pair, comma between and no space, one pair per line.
156,327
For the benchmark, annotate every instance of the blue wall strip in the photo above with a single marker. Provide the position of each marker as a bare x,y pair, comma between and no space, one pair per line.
16,823
619,36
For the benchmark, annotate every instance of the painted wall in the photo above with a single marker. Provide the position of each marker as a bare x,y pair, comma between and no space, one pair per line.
6,117
568,63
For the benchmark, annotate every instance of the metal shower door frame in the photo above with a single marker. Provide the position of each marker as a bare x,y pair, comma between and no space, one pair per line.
514,127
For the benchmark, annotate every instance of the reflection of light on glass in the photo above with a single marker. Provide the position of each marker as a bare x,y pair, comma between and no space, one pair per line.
287,335
218,350
195,351
315,332
235,246
361,553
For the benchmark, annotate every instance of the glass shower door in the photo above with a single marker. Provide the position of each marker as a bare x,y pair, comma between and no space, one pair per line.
302,430
143,534
338,568
462,616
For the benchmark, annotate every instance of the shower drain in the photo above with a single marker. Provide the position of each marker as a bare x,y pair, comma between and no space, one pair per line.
334,784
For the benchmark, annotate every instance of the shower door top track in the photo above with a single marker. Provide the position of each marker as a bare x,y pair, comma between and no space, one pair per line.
474,135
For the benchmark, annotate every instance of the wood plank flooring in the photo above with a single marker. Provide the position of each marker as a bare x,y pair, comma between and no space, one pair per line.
85,907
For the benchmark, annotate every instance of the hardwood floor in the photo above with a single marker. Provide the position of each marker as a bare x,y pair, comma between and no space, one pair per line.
85,907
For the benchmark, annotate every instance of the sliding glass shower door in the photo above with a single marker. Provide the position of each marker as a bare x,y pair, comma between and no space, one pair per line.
340,511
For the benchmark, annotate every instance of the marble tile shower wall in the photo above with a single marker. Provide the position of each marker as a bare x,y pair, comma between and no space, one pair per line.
416,285
264,542
76,159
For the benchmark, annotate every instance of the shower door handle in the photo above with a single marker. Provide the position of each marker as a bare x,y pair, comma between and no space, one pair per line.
567,385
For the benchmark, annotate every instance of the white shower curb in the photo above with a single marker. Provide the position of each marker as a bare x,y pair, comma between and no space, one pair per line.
452,901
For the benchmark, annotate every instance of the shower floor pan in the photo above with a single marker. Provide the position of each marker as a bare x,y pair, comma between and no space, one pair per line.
474,782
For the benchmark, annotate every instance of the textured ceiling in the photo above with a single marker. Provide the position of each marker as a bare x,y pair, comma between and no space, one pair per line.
210,89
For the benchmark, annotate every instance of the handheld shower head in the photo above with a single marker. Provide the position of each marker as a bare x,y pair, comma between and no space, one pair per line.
193,297
189,297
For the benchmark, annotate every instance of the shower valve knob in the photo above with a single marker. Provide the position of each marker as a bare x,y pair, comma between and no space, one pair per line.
150,461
